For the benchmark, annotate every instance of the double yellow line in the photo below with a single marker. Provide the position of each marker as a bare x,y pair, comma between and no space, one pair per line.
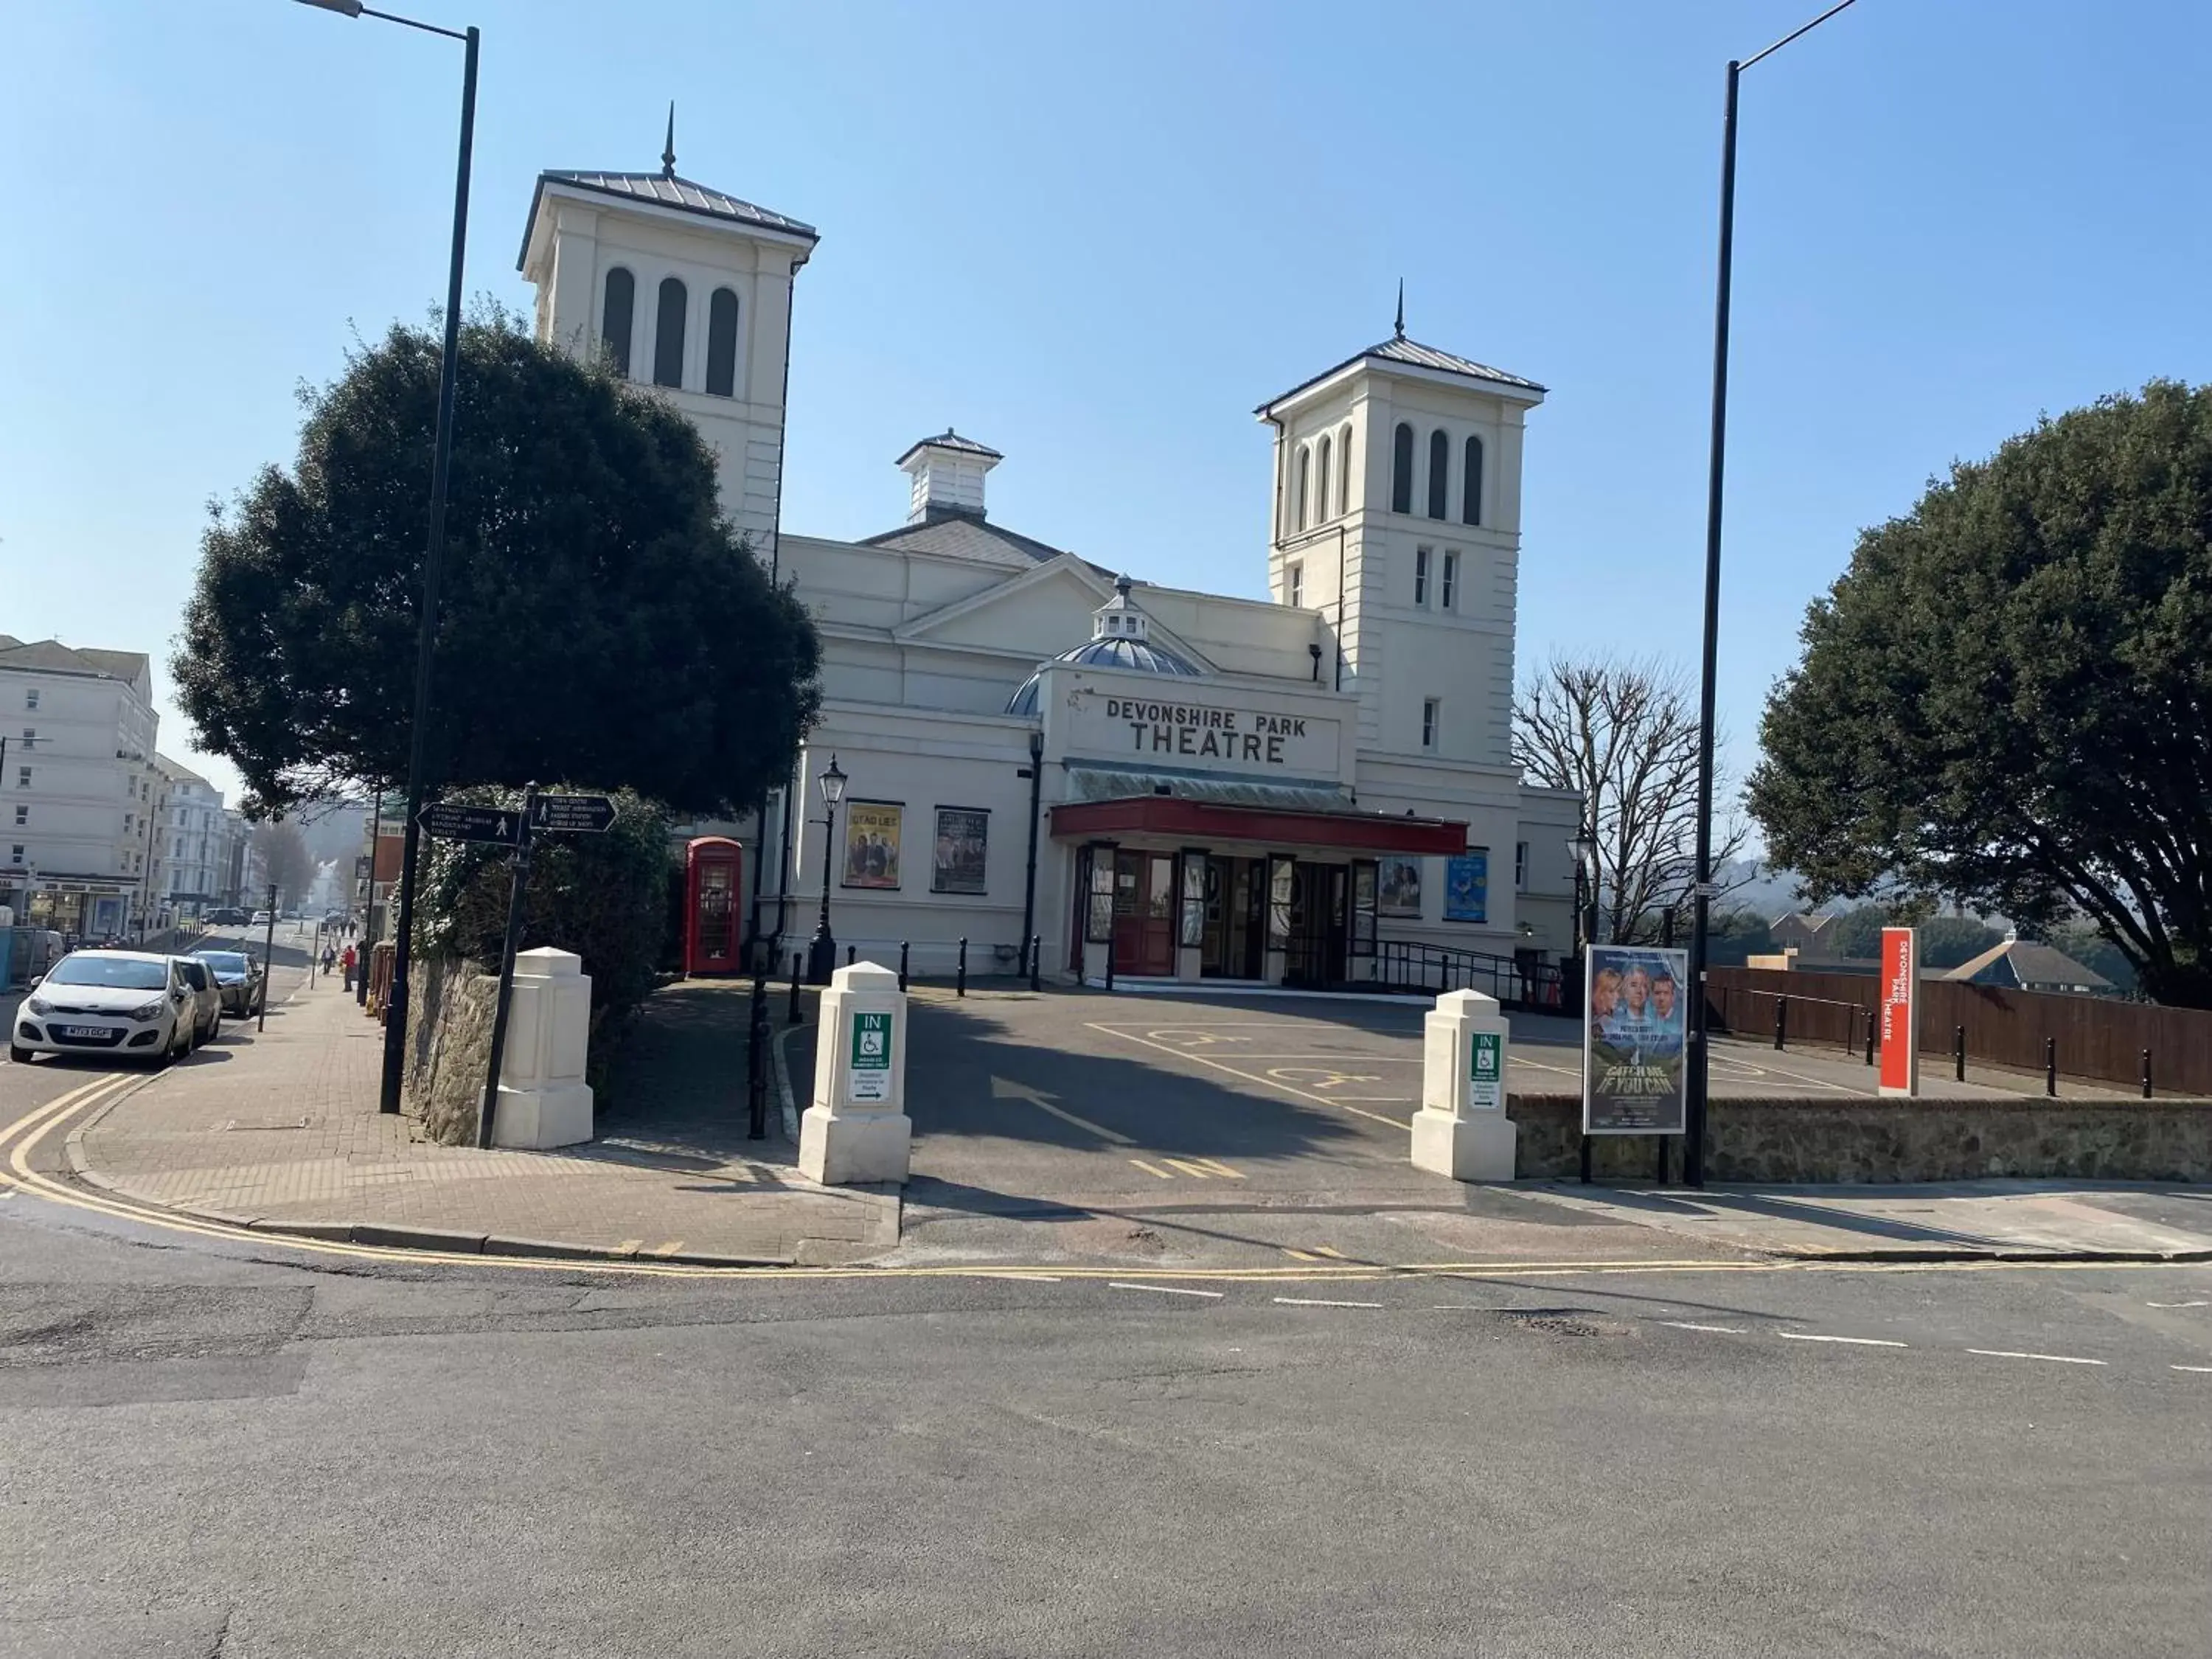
25,1134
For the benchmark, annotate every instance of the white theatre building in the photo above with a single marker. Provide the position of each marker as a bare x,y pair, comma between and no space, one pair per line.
1313,788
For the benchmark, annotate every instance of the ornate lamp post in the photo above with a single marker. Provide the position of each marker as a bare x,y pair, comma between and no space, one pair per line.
822,951
1584,847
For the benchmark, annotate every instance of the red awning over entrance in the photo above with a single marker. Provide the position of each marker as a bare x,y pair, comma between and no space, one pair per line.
1203,821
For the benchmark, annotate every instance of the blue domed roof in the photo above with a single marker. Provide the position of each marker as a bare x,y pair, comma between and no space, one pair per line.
1137,656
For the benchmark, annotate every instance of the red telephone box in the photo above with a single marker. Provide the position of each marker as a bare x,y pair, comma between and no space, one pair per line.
711,884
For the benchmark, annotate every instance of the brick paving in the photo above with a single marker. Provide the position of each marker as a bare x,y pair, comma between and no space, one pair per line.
281,1128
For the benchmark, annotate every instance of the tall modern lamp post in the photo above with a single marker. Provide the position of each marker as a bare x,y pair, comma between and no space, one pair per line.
1693,1152
822,951
395,1018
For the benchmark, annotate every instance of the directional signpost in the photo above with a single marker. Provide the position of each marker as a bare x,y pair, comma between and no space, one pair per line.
572,814
500,825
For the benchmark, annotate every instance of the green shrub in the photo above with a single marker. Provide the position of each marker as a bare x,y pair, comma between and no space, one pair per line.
603,897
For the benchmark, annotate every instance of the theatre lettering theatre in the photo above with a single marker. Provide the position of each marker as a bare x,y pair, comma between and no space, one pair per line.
1227,788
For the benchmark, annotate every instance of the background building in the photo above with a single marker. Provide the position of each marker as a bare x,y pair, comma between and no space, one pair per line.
81,787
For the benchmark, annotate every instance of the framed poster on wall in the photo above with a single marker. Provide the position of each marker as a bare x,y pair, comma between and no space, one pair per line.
963,840
872,843
1399,881
1466,886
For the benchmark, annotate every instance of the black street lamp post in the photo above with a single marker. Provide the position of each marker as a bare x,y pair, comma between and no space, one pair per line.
1693,1151
395,1018
822,951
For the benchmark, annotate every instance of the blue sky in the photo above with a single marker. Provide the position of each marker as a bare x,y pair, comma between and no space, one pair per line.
1096,237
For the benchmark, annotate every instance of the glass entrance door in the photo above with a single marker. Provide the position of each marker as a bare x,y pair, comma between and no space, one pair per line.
1234,941
1320,924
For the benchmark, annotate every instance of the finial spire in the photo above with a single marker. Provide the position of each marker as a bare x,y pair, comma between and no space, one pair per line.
668,151
1400,324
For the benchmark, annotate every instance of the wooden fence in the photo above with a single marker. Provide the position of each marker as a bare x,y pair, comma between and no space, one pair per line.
2096,1038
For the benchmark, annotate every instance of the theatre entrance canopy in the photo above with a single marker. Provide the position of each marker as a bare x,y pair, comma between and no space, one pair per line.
1213,823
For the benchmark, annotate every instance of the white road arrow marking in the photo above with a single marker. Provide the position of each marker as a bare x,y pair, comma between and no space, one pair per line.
1001,1089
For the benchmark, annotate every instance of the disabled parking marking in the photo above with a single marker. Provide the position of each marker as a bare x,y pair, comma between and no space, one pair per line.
1249,1077
1321,1077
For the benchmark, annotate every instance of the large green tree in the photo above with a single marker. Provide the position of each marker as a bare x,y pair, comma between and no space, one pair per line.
598,616
2007,699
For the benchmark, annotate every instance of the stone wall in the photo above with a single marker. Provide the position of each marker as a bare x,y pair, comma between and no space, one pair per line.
448,1045
1870,1141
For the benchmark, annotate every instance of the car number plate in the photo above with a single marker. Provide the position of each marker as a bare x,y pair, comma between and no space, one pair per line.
86,1031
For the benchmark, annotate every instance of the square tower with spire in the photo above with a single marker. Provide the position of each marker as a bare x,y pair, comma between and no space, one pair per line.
683,287
1396,514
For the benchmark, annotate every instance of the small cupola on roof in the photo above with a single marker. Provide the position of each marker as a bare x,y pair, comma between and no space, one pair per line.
1121,637
948,473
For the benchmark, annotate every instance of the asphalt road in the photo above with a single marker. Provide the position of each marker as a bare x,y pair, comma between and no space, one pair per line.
233,1455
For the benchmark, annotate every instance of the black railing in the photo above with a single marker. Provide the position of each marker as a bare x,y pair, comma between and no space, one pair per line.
1410,965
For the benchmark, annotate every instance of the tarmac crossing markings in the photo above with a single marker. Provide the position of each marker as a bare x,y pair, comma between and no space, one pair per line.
2013,1353
1198,1169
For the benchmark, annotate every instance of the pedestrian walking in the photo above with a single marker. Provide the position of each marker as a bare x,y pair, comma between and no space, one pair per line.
347,964
330,959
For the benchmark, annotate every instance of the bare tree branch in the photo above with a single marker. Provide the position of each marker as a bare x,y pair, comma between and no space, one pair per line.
1623,734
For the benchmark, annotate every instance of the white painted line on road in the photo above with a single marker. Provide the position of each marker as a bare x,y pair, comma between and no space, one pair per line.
2012,1353
1028,1278
2201,1370
1855,1342
1318,1302
1163,1289
2199,1302
1266,1081
1724,1330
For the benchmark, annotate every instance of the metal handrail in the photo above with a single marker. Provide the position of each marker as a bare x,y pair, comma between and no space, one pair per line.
1415,964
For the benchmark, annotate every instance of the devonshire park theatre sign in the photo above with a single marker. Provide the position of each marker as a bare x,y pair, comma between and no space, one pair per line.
1173,731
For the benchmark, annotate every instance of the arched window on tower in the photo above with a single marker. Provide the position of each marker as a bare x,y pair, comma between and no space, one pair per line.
1320,496
668,333
1344,470
615,318
1401,469
722,343
1305,468
1439,474
1470,503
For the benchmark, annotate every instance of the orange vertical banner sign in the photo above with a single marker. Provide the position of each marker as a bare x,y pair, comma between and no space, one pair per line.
1901,1011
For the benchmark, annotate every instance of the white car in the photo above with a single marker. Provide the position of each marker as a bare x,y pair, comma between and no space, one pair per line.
126,1003
260,918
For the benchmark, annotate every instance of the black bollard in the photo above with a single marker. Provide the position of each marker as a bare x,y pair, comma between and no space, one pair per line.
1781,1022
851,951
2146,1070
1959,1052
1869,1048
1037,969
2051,1066
756,1062
903,950
960,974
796,959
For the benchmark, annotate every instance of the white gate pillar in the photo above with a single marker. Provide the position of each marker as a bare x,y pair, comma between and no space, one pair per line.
1462,1130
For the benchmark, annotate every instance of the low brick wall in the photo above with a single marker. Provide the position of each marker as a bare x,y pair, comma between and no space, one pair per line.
1866,1140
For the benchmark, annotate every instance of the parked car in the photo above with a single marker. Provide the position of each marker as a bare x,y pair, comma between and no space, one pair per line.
122,1002
260,918
207,998
239,978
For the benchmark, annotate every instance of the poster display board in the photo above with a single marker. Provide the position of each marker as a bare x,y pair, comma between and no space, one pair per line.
1400,880
964,841
1900,1011
1467,886
872,844
1634,1077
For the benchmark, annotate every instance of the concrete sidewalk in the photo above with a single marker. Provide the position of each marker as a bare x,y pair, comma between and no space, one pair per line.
1954,1220
280,1132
